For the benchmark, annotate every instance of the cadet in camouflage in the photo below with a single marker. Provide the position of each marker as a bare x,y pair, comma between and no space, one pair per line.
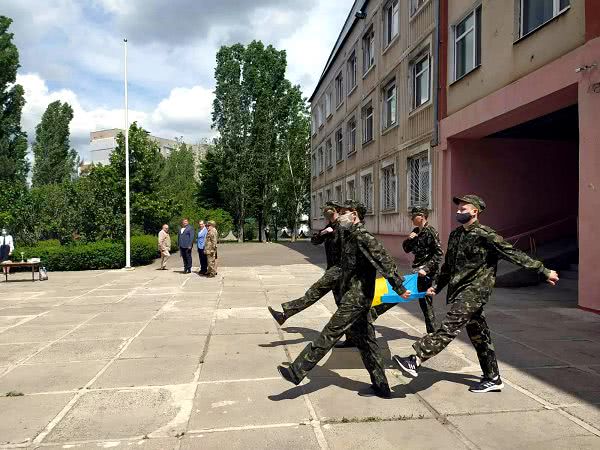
424,243
362,256
469,271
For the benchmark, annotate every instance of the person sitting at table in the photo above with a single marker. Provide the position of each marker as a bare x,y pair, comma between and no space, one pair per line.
7,247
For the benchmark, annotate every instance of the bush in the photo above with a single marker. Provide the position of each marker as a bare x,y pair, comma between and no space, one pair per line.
250,230
97,255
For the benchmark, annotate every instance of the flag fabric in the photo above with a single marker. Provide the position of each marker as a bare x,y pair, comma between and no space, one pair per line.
385,294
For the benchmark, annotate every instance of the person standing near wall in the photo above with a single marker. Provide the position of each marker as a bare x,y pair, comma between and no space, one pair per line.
164,246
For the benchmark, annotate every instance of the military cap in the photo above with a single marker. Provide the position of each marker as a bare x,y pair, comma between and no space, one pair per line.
212,223
357,206
473,199
332,205
419,211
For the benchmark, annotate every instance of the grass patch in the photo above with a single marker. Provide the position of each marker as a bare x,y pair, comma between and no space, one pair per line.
370,419
14,394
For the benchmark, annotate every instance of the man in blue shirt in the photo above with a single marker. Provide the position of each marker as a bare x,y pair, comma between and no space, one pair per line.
200,243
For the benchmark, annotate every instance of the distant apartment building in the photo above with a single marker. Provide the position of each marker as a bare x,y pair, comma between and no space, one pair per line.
519,109
373,113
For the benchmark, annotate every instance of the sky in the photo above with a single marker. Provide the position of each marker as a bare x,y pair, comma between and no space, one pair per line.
72,50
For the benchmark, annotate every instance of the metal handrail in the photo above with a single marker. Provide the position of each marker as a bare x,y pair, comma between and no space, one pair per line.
530,233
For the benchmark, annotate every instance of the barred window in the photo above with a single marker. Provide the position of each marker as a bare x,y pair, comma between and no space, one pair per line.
367,191
350,190
418,180
388,187
339,145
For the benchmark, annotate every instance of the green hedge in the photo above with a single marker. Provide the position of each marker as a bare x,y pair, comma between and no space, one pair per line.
97,255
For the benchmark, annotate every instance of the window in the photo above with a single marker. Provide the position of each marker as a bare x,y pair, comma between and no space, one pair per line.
313,206
352,71
339,89
320,204
368,123
367,191
350,190
535,13
328,104
352,136
313,166
415,5
328,195
320,161
368,50
388,187
422,81
320,114
339,145
418,180
467,44
338,193
389,105
391,21
328,154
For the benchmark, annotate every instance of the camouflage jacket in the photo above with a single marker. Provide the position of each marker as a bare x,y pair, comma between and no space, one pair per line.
469,269
332,243
362,257
427,250
212,238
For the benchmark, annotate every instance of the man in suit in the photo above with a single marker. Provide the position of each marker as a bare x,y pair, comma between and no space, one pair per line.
164,246
186,242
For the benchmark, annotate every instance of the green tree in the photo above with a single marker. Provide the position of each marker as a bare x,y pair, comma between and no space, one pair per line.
55,160
14,166
178,178
208,193
57,212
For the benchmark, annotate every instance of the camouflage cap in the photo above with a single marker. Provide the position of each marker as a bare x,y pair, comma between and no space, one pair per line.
332,205
212,223
419,211
473,199
357,206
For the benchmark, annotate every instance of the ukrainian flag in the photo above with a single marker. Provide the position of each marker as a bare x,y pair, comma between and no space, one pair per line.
385,294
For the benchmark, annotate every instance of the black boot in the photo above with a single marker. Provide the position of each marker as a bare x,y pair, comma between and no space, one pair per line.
279,317
288,375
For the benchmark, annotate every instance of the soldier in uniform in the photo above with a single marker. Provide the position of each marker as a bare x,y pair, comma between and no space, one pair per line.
424,243
469,271
210,249
362,256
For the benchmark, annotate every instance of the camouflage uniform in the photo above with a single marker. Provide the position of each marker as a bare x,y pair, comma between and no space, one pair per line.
362,256
428,256
210,250
469,271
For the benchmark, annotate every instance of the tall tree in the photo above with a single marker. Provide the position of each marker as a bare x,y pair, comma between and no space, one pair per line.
13,141
55,160
178,178
208,193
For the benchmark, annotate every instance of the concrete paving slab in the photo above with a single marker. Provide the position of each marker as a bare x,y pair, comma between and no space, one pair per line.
588,413
11,353
138,444
123,316
22,310
23,418
407,435
148,372
105,331
579,351
245,403
155,347
524,430
33,378
116,414
66,351
172,327
234,325
60,318
287,438
34,333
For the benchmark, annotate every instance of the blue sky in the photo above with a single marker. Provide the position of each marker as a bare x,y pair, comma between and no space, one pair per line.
72,50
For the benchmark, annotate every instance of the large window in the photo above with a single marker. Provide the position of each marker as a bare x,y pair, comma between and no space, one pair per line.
366,182
320,159
350,190
419,180
328,104
421,81
327,195
391,21
320,114
388,187
535,13
415,5
339,89
339,145
313,122
467,44
368,50
313,165
352,136
367,117
338,193
389,105
352,71
328,154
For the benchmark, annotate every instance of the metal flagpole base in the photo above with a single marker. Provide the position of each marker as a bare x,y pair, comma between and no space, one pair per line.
128,269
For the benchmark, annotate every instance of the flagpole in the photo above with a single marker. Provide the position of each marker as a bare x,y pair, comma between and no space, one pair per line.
127,211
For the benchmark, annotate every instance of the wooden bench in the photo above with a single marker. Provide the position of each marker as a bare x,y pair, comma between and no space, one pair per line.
33,265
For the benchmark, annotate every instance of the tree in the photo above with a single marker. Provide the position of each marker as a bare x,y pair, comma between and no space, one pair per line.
178,178
55,160
13,141
208,194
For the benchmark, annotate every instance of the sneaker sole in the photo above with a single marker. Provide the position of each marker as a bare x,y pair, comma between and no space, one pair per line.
497,388
406,370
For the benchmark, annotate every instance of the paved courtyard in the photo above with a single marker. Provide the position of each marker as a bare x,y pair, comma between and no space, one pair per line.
161,360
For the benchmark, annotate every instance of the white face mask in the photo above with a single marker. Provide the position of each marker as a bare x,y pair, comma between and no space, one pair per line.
346,220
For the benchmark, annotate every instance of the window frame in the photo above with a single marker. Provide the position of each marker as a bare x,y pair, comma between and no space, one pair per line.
338,187
328,154
352,141
367,200
339,89
313,164
424,56
415,7
391,7
365,116
369,38
352,72
476,29
320,160
328,105
556,11
339,145
393,180
351,181
420,155
386,105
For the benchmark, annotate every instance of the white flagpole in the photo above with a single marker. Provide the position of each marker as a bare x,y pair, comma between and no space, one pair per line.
127,212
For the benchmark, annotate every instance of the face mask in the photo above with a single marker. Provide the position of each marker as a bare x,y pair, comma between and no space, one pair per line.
463,217
346,220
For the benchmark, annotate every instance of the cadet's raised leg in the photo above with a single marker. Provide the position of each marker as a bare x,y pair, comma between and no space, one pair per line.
318,290
481,338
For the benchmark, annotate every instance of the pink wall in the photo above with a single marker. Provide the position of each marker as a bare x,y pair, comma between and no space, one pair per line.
526,184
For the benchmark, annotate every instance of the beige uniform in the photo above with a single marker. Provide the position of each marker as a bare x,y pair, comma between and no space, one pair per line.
210,250
164,245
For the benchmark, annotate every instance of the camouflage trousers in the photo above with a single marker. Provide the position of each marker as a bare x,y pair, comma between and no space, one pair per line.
426,304
211,262
328,282
353,315
462,314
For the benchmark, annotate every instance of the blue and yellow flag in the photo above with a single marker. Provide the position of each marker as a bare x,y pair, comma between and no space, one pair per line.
385,294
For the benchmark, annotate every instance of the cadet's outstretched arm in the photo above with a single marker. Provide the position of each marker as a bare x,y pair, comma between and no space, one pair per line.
508,252
381,259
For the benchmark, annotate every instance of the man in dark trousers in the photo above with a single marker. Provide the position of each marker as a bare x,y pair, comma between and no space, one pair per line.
469,271
424,243
362,256
186,242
